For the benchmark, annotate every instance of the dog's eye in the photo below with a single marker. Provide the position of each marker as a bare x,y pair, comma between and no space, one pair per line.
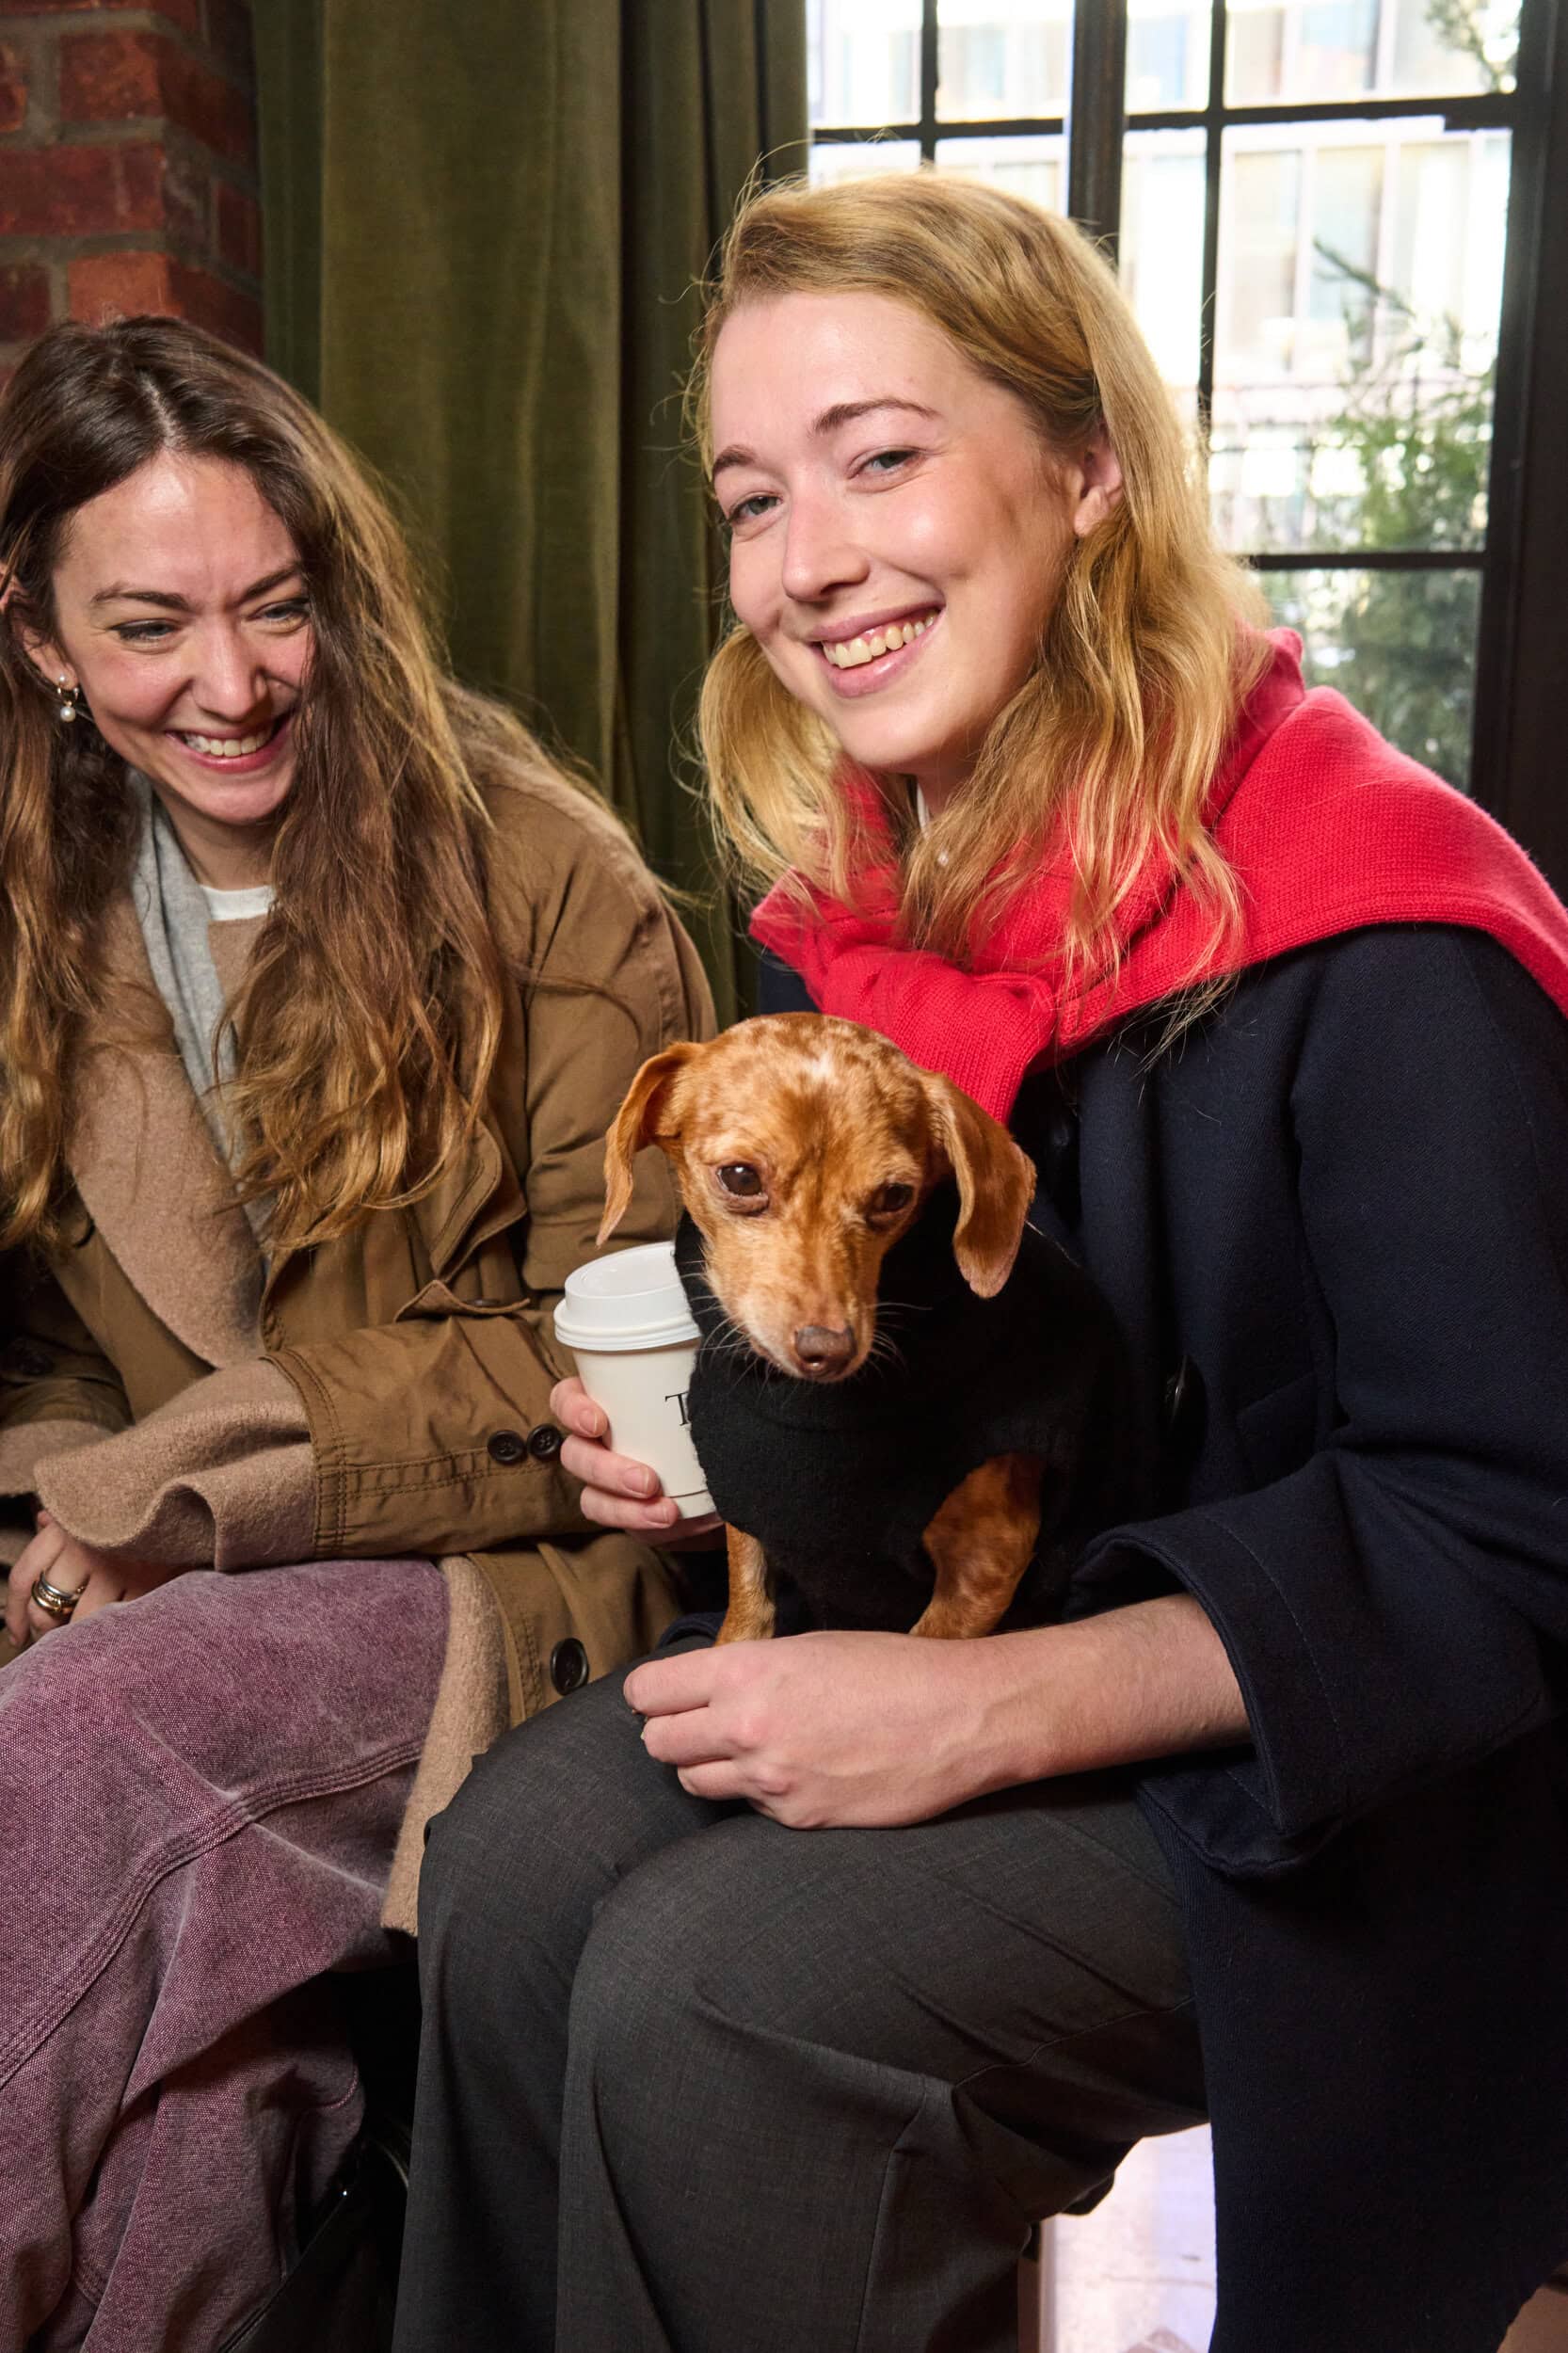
740,1178
890,1200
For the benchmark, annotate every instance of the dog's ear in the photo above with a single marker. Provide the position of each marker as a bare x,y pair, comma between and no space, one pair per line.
996,1185
636,1123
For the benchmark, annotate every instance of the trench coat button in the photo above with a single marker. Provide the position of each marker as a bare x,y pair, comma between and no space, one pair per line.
545,1442
27,1361
506,1446
569,1665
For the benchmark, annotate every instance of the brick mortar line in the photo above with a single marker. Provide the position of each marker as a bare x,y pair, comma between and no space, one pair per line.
132,21
88,245
39,39
129,127
242,176
142,131
41,126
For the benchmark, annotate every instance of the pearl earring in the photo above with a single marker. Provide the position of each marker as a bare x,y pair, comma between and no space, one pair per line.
69,705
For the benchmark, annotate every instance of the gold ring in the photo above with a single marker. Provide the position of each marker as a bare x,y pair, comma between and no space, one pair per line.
54,1601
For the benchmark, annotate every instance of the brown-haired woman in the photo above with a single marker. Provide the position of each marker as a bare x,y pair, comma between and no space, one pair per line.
318,988
869,1950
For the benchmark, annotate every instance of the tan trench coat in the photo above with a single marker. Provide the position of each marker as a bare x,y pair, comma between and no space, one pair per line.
385,1394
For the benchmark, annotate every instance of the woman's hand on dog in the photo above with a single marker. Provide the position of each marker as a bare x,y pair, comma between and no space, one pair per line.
616,1492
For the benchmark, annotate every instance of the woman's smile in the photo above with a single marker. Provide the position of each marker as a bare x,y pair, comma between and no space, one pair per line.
867,655
246,754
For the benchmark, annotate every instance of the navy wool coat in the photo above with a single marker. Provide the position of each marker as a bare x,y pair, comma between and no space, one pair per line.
1333,1222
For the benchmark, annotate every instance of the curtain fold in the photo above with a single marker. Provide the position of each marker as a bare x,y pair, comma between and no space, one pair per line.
486,222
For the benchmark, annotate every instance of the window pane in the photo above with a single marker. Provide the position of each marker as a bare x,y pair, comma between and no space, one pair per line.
1035,167
1002,58
1298,50
1355,331
1162,249
1167,55
844,159
1400,646
863,61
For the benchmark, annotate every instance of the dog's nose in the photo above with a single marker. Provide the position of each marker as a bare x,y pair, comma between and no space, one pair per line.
821,1352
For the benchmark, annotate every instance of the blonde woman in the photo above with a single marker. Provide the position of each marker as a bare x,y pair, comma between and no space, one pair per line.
877,1949
319,985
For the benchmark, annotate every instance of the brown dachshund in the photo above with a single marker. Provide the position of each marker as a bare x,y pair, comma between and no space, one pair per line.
805,1149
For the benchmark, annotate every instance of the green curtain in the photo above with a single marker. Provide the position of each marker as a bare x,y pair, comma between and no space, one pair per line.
486,220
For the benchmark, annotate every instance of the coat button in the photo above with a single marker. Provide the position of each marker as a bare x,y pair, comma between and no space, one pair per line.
1186,1405
569,1665
545,1442
507,1446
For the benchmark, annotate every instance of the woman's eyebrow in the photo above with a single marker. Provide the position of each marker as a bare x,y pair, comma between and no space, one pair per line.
841,413
121,593
847,411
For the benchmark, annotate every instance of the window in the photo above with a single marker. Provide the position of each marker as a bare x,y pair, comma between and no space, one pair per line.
975,86
1317,206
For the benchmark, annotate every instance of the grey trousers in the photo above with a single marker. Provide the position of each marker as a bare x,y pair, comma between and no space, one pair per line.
739,2087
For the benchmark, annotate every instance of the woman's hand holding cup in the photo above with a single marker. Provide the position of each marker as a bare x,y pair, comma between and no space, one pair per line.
616,1492
626,1320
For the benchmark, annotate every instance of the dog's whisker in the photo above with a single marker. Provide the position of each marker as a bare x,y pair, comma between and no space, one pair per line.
731,1340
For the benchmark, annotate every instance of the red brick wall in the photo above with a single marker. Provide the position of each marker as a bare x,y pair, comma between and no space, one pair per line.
127,166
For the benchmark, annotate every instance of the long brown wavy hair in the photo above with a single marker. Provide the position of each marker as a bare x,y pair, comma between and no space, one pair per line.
368,1025
1142,663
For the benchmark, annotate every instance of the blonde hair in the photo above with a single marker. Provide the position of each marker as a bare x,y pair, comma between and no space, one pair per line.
1142,664
371,1014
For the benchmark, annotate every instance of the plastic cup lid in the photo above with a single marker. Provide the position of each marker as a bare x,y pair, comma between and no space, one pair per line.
633,1299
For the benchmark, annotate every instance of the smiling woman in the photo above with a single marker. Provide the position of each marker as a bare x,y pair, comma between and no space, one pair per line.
999,469
319,985
902,1942
220,551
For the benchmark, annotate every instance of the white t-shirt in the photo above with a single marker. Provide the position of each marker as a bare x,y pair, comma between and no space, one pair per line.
238,907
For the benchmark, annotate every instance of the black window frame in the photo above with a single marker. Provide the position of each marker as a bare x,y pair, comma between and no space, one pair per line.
1516,762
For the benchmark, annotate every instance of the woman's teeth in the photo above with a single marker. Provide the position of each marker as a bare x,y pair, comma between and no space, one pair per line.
228,746
847,654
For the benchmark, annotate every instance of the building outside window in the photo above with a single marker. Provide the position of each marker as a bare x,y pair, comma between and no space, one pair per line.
1312,230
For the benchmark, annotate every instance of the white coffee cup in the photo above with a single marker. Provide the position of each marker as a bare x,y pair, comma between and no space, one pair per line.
626,1321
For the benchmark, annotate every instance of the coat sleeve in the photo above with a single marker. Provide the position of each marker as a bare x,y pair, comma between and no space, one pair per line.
1397,1607
419,1428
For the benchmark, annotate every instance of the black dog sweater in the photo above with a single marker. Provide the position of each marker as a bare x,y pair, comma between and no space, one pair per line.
839,1480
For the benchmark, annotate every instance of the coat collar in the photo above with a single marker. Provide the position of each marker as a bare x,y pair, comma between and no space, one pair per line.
147,1171
162,1202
